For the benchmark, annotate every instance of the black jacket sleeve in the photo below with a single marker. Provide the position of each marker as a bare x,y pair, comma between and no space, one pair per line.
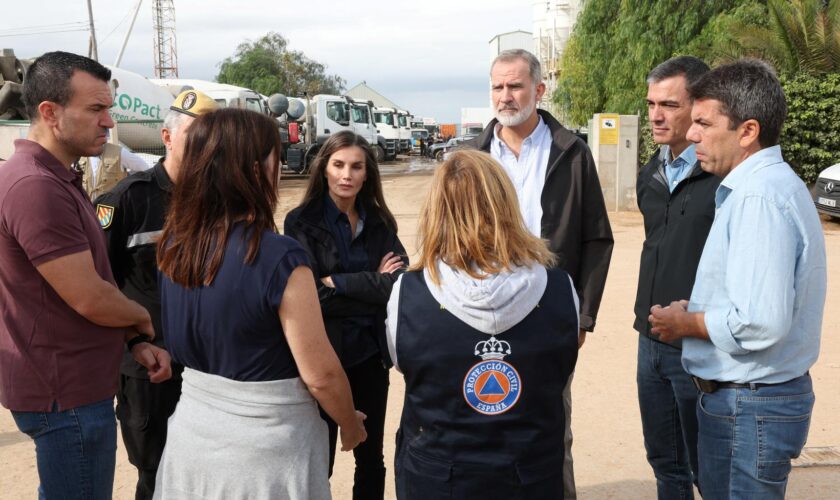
373,286
331,304
596,246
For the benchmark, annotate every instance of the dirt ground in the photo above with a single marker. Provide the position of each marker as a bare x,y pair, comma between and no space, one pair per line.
609,453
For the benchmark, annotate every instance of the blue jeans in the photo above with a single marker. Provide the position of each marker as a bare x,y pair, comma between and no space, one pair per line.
749,436
76,450
667,401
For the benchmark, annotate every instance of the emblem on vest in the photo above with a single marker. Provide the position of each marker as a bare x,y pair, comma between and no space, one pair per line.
105,215
492,386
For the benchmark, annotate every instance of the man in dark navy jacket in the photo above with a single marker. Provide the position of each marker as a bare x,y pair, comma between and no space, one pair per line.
677,200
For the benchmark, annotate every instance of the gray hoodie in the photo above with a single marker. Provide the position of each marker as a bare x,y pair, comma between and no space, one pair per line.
491,305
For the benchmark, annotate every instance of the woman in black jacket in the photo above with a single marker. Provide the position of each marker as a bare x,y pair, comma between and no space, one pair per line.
351,237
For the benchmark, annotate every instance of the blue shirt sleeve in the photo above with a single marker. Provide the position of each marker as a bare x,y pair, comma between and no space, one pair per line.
759,286
338,281
290,261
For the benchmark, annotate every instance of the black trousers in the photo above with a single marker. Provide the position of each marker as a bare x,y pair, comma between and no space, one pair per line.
369,382
143,409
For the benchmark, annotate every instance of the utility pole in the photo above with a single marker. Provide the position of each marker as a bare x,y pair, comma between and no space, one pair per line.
163,26
93,53
128,33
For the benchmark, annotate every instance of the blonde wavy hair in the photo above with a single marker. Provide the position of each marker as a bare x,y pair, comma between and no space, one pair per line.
470,220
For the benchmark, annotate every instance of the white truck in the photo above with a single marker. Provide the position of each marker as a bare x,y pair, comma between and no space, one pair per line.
388,126
227,96
361,114
403,118
138,107
328,114
473,120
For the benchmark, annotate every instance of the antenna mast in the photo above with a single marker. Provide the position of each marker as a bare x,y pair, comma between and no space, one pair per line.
163,26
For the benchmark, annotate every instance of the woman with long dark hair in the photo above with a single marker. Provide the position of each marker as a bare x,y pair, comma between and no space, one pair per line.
351,237
486,338
241,314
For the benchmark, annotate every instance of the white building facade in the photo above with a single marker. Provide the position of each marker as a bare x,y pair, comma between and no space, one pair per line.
553,24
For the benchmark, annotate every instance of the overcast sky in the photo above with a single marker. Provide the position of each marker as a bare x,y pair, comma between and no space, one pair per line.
431,57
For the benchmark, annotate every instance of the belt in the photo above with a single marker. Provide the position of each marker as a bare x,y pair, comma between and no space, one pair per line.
710,386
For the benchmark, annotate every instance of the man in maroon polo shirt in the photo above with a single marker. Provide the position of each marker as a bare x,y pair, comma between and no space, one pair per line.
63,323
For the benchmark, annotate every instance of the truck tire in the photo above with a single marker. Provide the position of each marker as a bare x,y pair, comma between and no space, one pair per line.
308,159
378,153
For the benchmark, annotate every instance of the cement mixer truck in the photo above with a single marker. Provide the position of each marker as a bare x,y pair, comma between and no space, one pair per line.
327,114
138,106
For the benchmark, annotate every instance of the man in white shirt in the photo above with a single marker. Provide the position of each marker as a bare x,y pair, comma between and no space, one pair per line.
558,189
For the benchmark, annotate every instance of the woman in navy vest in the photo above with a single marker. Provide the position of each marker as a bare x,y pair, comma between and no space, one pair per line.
241,314
351,238
486,338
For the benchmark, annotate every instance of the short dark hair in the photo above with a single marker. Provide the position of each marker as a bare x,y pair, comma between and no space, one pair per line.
48,79
747,89
690,67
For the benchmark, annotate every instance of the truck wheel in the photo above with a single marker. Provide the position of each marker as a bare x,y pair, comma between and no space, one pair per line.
439,155
308,159
379,153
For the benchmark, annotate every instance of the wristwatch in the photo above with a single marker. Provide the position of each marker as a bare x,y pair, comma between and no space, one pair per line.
138,340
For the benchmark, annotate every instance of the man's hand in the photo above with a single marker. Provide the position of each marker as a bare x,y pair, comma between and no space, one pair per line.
675,322
328,282
155,359
581,337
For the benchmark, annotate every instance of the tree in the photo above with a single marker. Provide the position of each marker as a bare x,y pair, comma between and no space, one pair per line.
615,44
269,67
803,36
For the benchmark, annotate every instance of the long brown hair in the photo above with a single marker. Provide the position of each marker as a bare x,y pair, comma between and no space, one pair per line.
223,179
371,192
471,220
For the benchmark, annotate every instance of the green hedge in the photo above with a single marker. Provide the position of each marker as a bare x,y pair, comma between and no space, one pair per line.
811,136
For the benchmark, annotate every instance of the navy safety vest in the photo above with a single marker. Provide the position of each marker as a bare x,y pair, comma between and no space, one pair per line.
483,415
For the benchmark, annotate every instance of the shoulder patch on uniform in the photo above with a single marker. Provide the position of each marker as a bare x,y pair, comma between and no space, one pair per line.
105,215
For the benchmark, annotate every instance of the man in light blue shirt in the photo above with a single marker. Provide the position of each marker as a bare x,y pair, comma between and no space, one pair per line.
752,328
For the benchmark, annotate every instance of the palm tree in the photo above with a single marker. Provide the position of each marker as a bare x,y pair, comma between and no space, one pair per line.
803,36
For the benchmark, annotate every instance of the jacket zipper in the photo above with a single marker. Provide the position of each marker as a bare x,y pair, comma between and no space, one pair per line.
689,180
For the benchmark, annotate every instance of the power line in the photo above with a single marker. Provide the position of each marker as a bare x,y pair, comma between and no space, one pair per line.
120,23
45,28
86,28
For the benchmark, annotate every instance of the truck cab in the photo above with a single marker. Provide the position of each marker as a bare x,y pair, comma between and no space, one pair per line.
418,134
363,124
323,115
403,118
388,127
328,114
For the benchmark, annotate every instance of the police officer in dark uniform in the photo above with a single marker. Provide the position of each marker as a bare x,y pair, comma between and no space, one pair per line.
132,216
